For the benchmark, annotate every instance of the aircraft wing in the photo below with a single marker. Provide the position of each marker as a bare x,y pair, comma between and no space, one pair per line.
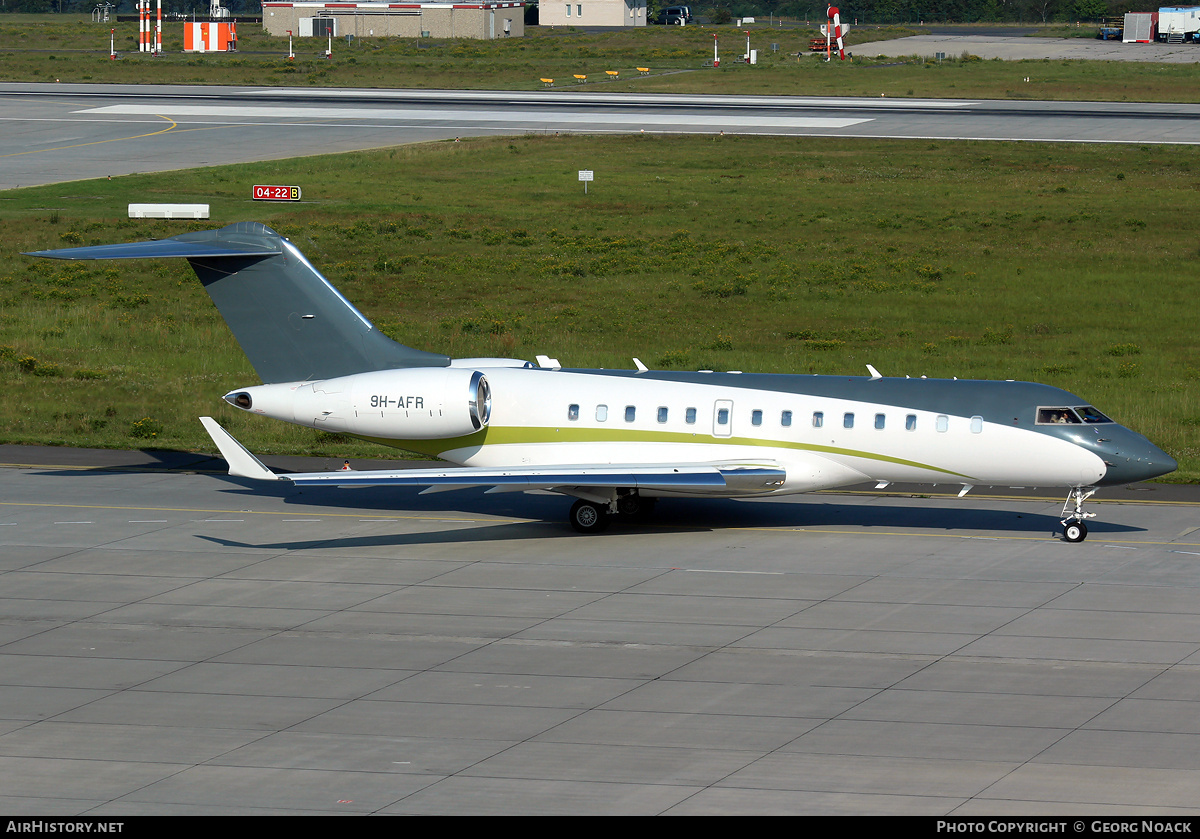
718,478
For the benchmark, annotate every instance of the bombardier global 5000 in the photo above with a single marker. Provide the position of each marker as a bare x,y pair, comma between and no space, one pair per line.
617,440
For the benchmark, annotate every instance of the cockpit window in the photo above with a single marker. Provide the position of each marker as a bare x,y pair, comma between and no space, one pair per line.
1090,414
1057,416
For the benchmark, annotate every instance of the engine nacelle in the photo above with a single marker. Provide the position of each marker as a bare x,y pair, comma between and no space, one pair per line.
423,403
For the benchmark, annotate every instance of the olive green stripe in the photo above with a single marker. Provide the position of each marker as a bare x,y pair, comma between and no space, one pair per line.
496,436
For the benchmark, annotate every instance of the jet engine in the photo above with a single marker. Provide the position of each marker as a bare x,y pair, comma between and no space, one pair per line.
419,403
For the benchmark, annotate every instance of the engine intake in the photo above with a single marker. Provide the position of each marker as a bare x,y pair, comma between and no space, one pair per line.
480,395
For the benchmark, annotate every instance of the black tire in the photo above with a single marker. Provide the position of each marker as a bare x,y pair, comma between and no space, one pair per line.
635,506
1075,531
587,517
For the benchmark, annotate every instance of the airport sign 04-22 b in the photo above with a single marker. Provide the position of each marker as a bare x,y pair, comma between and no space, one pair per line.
263,192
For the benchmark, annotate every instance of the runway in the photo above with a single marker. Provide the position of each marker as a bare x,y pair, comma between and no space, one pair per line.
58,133
171,642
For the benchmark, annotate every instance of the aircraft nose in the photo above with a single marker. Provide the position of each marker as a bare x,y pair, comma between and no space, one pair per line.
1134,458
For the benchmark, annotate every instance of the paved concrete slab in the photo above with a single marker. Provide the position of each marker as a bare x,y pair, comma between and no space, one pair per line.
175,644
1031,48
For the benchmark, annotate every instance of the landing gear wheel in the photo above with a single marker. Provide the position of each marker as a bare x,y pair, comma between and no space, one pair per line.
635,506
588,517
1075,531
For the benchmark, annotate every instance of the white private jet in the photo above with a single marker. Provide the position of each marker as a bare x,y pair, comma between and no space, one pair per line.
617,440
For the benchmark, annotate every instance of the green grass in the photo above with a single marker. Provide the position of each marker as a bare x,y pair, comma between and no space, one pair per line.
72,49
1068,264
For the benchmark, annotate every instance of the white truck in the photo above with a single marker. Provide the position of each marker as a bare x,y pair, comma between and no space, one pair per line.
1179,24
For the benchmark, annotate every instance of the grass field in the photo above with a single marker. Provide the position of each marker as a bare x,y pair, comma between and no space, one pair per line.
1068,264
43,48
1072,265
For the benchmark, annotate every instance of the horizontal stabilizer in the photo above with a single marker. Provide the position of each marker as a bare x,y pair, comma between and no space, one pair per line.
162,248
242,464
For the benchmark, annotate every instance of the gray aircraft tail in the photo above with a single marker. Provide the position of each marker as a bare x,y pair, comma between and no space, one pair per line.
290,321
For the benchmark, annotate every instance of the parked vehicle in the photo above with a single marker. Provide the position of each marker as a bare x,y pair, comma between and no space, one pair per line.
675,16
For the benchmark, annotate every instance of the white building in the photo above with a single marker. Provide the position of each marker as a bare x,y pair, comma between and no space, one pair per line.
592,13
403,20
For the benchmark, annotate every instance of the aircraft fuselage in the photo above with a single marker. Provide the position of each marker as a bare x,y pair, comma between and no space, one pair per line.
825,431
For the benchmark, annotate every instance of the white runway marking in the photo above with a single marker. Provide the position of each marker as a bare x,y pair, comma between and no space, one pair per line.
632,98
444,114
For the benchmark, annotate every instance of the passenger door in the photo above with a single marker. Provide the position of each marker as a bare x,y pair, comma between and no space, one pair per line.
723,418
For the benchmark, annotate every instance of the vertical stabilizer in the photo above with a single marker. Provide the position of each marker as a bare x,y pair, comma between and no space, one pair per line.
290,321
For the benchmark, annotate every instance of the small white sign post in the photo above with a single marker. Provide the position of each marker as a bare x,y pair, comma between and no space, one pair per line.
585,175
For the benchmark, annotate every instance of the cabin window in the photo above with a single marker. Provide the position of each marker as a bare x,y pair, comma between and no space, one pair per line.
689,416
880,420
630,413
848,420
601,413
1057,416
976,425
910,422
943,422
572,412
756,417
818,419
662,414
723,416
785,419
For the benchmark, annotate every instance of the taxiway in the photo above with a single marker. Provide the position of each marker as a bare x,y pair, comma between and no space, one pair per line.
171,642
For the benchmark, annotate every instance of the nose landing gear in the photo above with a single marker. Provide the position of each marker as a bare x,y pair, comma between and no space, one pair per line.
1074,528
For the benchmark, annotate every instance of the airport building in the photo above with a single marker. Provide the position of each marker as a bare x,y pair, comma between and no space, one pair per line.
483,20
592,13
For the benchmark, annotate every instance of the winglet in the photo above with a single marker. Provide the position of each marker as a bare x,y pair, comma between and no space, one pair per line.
242,464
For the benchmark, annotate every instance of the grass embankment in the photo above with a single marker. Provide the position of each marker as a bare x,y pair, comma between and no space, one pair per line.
47,48
1072,265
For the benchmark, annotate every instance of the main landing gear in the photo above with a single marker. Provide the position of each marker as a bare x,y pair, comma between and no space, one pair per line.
594,517
589,517
1074,528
